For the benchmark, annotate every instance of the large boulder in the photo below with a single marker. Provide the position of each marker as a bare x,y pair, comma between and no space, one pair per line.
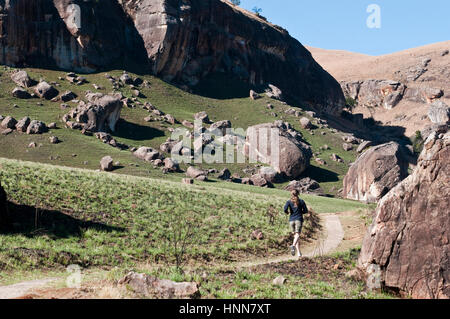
196,173
274,145
20,93
375,172
8,122
36,127
100,114
22,79
407,247
23,124
106,164
46,91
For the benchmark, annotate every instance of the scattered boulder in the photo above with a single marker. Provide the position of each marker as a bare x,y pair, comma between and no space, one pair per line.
305,123
375,172
336,158
347,147
46,91
274,93
439,113
52,125
171,165
196,173
21,93
287,155
260,181
151,287
7,131
305,186
254,95
125,78
279,281
224,174
220,127
187,124
32,145
147,154
106,164
22,79
188,181
54,140
202,116
8,122
68,96
406,248
257,235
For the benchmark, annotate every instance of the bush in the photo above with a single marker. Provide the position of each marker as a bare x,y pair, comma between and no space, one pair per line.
350,103
418,143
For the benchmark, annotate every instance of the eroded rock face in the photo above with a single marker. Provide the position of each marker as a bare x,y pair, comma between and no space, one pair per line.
375,93
375,172
99,36
407,246
179,40
290,157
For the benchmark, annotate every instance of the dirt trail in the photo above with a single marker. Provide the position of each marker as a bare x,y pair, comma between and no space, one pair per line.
331,237
20,289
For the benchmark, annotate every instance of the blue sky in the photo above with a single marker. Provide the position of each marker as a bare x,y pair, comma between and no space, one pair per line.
341,24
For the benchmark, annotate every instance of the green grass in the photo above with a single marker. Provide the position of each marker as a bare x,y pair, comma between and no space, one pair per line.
81,151
99,219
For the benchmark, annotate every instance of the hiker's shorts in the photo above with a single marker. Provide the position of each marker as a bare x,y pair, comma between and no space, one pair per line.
296,226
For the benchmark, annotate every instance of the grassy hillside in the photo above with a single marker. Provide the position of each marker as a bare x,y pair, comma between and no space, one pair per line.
63,215
77,150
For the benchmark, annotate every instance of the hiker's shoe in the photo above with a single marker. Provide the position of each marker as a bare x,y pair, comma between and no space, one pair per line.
293,250
299,254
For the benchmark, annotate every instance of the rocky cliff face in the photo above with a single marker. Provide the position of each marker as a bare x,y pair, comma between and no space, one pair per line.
179,40
407,246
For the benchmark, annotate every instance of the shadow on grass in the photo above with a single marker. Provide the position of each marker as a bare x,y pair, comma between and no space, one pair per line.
31,222
135,131
222,86
321,175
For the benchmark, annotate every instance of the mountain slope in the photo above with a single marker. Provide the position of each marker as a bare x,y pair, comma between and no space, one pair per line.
429,64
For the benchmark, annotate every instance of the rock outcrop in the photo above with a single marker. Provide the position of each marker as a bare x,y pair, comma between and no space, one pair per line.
179,40
375,93
407,246
274,145
375,172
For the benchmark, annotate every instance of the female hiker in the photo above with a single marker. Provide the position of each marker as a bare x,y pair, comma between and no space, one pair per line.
296,207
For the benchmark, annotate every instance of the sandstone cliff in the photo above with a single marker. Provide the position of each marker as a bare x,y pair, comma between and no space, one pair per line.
179,40
407,245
